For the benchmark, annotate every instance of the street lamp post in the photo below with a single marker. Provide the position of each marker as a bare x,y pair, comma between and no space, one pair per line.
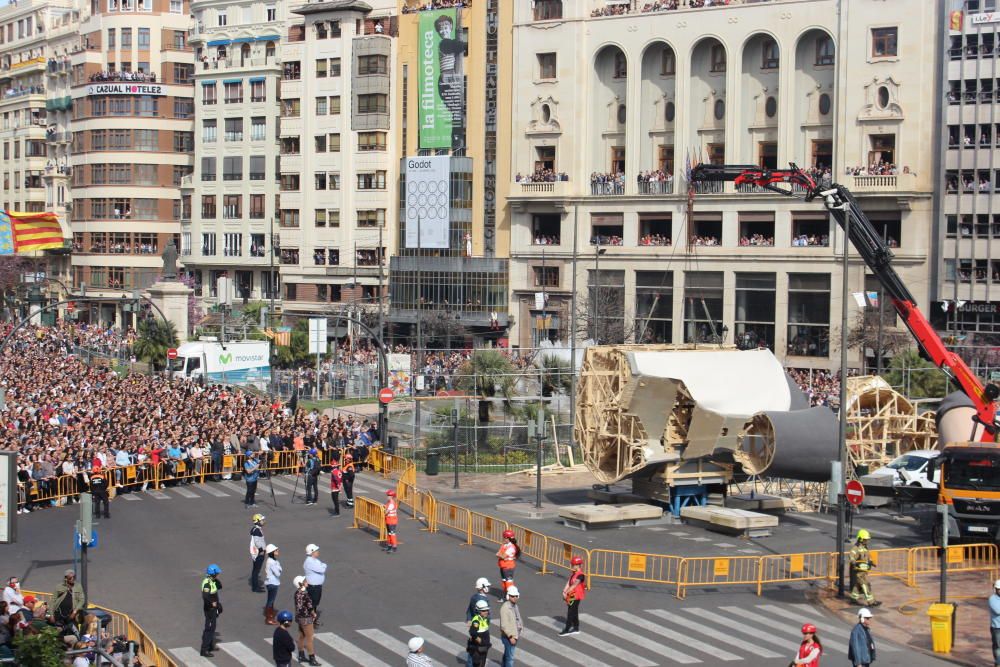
841,498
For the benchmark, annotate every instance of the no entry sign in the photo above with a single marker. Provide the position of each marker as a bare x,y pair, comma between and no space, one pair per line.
855,492
172,353
386,395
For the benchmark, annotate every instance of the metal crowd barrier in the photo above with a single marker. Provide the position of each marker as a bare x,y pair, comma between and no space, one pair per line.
370,514
552,554
121,624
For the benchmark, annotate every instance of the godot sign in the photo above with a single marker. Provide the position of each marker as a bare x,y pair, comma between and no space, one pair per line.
855,492
172,353
386,395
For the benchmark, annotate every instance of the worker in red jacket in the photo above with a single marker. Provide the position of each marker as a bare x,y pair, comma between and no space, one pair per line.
336,484
391,519
573,594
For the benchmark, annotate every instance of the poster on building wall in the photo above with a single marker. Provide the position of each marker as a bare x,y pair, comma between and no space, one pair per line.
399,374
442,80
427,205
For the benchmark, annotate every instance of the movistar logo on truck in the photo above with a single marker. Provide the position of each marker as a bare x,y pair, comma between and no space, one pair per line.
225,358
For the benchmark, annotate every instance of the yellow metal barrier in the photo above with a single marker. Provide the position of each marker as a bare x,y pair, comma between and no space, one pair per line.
960,558
893,563
369,514
424,509
627,566
717,571
121,624
558,554
452,516
788,568
487,527
532,544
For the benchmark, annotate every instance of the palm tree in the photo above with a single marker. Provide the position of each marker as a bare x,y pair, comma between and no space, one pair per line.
487,372
155,338
555,373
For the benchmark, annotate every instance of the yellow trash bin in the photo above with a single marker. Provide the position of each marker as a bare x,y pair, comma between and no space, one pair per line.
942,617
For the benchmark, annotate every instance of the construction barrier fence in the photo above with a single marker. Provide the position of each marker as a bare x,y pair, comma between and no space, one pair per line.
370,514
552,554
122,625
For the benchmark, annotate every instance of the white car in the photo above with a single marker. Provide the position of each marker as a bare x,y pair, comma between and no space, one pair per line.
910,469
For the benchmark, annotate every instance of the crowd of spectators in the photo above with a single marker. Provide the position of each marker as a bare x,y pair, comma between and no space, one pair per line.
19,91
605,239
822,387
757,240
129,77
546,239
611,10
654,239
609,183
704,241
434,4
880,168
662,6
542,176
655,182
804,240
64,418
969,184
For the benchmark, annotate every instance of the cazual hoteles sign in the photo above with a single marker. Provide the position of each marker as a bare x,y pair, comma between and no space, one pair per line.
125,89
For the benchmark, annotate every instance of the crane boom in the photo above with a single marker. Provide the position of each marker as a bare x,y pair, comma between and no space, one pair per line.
838,200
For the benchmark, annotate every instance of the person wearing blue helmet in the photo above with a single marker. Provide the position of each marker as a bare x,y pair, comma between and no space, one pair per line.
282,642
313,467
212,607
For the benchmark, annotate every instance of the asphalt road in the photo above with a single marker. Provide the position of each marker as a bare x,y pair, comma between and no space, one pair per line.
154,549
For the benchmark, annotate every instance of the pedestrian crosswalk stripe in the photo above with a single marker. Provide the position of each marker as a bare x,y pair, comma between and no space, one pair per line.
594,642
232,486
284,483
756,617
577,658
523,657
701,628
130,496
191,657
159,495
211,490
187,493
659,629
806,610
386,640
242,653
344,647
435,639
758,634
639,640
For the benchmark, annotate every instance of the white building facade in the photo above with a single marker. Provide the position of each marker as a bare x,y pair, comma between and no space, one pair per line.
611,110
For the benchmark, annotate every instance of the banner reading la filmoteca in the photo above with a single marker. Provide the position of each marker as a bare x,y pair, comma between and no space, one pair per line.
442,85
428,201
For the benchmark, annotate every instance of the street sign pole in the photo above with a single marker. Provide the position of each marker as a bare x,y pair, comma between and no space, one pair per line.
8,497
83,533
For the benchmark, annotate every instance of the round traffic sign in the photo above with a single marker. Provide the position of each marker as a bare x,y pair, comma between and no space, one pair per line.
172,353
855,492
386,395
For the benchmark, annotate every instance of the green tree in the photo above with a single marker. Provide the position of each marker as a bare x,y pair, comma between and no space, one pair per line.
916,377
251,313
155,338
489,373
44,649
556,374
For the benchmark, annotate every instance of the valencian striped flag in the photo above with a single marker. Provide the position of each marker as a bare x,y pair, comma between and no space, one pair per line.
27,232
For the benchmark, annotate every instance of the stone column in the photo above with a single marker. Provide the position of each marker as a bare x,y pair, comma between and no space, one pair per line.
172,298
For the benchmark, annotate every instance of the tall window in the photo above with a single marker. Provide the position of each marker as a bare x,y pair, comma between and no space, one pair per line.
232,168
208,244
208,207
234,129
824,50
371,141
208,169
371,181
668,62
769,54
126,38
606,307
234,93
258,91
321,68
754,317
703,298
233,245
143,38
232,206
546,10
546,65
258,128
621,65
371,218
208,93
718,58
809,314
257,168
257,207
654,306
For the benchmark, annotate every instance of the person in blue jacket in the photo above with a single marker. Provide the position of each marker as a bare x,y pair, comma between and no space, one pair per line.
861,648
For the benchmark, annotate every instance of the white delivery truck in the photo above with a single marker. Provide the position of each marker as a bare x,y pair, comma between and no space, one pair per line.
245,362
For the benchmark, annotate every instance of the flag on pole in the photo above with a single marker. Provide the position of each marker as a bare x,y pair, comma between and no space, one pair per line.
859,298
872,299
27,232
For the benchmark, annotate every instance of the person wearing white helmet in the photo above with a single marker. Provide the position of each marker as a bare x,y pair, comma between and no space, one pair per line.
315,570
478,646
482,594
272,579
305,616
511,625
861,647
995,621
416,657
257,553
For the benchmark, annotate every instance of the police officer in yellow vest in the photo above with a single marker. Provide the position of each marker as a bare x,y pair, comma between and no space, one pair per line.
861,564
478,645
212,607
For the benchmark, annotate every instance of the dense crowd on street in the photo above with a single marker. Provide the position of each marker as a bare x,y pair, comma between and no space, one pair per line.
67,419
822,387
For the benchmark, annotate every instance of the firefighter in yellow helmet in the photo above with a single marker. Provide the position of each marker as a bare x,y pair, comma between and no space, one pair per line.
861,564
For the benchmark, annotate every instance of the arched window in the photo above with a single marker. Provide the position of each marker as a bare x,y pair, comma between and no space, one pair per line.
621,66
